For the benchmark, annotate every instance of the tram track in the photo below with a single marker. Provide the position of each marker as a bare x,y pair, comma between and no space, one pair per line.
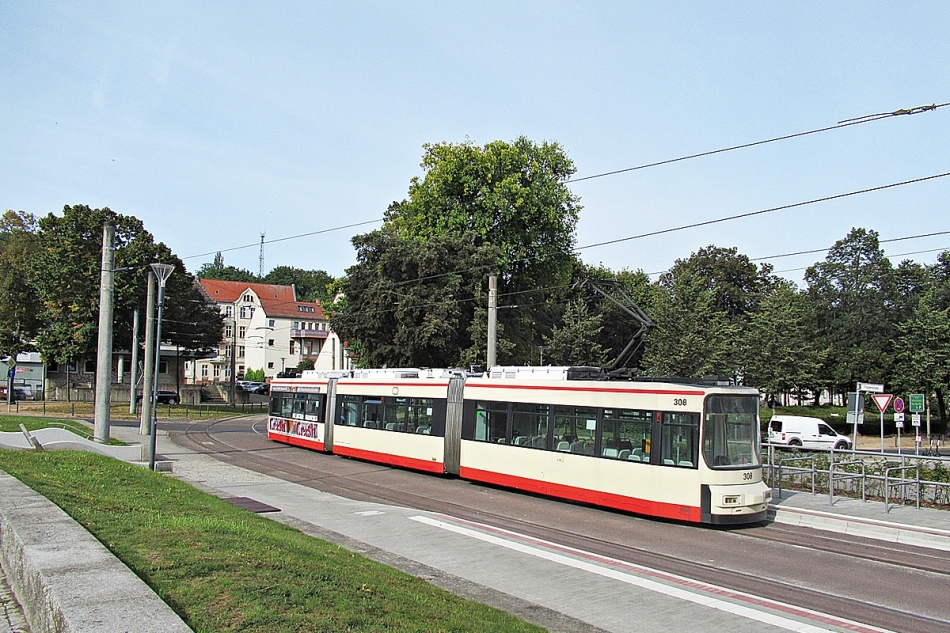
365,483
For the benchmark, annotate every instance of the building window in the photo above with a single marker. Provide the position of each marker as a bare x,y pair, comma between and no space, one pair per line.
251,310
248,298
240,351
270,323
227,331
227,351
52,367
163,367
242,332
270,365
229,311
296,325
292,347
204,371
90,367
243,312
270,342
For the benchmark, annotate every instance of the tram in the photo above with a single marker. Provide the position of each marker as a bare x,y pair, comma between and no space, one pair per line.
681,450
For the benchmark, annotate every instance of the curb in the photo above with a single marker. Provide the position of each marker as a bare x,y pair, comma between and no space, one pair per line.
931,538
65,580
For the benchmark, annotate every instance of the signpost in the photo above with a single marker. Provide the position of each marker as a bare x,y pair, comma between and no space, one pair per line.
882,400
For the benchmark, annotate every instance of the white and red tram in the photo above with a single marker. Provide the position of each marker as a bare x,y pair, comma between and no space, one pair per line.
678,450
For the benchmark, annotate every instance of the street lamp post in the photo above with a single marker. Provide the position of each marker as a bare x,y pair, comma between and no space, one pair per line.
162,273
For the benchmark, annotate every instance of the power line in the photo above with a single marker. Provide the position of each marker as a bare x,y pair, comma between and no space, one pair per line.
764,211
841,124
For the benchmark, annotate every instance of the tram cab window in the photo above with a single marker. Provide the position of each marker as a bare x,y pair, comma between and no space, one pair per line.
276,403
730,431
626,435
287,406
575,429
529,425
680,442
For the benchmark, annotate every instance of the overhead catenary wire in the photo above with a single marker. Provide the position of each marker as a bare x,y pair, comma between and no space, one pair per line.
841,124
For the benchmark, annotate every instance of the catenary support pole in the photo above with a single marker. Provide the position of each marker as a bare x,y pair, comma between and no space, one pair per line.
145,426
104,355
492,319
134,375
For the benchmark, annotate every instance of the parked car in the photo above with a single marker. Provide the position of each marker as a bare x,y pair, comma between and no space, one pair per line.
805,432
164,396
260,388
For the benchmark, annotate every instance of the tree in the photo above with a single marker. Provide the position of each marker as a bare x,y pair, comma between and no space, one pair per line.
510,196
779,351
575,342
64,270
217,270
310,285
692,336
19,304
853,294
401,308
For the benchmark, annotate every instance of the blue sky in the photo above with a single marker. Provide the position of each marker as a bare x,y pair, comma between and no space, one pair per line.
215,121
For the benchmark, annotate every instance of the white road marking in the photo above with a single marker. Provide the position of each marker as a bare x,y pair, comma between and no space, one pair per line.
704,599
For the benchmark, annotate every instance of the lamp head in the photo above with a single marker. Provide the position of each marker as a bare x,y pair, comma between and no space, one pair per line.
162,272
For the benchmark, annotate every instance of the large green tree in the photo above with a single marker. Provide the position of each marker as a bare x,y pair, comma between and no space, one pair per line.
19,305
575,342
510,196
853,294
310,285
65,271
779,351
409,301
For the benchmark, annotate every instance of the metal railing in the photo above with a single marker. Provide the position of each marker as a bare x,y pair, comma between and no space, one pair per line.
859,474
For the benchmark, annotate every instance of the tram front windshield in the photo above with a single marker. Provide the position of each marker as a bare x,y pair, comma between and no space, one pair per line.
731,432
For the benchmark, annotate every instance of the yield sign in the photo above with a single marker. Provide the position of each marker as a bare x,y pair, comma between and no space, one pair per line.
882,400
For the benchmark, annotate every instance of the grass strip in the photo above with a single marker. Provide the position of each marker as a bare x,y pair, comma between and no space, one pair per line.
222,568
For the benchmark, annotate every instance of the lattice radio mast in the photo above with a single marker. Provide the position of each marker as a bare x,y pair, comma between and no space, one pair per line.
260,270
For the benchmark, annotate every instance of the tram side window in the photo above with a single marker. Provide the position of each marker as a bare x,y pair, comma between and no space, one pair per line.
349,411
287,406
300,406
627,434
680,445
313,410
575,429
529,425
491,422
276,402
419,416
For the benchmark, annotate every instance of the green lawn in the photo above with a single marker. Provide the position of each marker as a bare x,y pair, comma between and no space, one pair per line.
222,568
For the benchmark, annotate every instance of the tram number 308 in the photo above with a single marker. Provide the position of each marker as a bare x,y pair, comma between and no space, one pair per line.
679,402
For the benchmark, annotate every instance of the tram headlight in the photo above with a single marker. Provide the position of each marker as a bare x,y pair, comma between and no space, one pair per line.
731,500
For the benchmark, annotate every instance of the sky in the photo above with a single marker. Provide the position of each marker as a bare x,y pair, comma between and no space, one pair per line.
215,122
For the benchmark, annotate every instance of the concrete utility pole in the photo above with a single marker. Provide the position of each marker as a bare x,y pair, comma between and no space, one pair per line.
145,426
492,319
134,376
104,356
232,388
162,272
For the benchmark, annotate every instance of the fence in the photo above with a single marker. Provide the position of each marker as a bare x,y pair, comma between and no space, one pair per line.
120,411
890,477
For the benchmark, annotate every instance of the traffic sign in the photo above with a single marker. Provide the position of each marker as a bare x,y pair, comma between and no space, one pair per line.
898,405
915,419
917,403
899,418
870,387
882,400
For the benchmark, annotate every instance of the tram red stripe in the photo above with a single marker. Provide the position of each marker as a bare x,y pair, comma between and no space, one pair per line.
295,440
393,460
652,392
594,497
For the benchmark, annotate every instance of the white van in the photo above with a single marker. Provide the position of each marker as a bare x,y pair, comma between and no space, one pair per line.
796,430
